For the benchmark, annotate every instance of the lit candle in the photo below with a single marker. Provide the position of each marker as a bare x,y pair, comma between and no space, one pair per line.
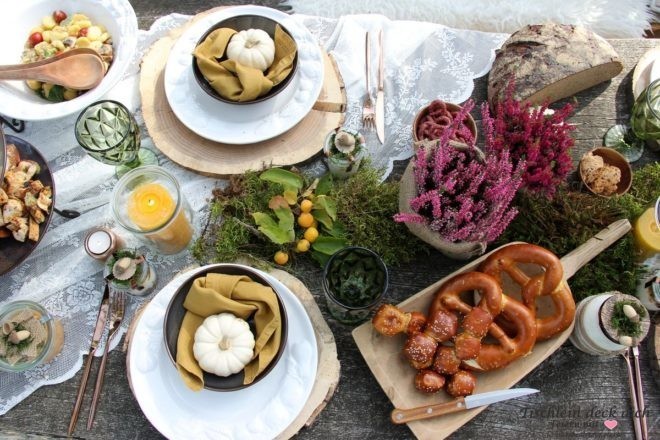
100,243
152,208
647,234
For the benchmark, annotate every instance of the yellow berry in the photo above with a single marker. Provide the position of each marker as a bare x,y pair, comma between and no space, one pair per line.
281,258
306,205
311,234
302,245
305,220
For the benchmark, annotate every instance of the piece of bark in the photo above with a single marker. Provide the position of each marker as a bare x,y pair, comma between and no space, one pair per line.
548,62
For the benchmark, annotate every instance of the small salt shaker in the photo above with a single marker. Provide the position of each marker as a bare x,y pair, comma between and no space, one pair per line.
100,243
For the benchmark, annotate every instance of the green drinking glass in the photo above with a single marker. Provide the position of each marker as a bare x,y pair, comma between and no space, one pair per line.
108,132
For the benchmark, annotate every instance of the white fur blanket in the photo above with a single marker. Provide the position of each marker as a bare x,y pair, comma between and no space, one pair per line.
608,18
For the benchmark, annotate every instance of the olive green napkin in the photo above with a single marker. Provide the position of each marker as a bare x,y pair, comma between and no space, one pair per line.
234,81
218,293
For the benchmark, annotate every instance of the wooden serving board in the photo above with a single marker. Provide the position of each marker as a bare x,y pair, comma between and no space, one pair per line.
395,375
204,156
328,369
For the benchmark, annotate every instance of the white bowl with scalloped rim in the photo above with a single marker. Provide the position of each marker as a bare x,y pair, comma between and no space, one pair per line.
16,99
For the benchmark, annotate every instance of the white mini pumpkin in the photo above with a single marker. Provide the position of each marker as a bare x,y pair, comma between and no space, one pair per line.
223,345
253,48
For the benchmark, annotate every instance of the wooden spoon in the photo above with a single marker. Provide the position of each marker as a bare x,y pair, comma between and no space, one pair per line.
78,69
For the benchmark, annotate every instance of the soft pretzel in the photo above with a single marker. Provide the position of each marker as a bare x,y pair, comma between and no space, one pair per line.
420,347
477,319
508,349
390,320
550,283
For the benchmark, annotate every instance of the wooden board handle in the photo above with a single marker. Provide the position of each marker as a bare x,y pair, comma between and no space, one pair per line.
400,416
574,260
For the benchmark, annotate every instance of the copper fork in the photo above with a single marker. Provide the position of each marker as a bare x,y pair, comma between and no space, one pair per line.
117,305
368,111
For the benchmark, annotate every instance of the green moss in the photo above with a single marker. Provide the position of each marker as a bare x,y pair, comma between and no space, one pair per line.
365,207
624,325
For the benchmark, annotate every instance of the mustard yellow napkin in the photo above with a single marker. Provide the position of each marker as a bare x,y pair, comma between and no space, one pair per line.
235,81
218,293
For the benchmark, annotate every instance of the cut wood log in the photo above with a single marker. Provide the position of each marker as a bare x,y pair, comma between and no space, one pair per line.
548,62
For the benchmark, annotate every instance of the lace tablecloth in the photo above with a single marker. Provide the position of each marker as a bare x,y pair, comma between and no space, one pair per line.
423,62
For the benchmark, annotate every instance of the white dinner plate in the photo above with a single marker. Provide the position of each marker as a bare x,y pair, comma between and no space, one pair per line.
248,123
261,411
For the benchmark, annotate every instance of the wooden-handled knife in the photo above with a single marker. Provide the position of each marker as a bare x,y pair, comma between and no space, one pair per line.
461,404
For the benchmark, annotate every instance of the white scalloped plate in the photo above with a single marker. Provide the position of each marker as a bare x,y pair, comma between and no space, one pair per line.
262,410
16,99
251,123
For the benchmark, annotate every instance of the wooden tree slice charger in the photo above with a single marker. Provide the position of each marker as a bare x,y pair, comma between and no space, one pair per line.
207,157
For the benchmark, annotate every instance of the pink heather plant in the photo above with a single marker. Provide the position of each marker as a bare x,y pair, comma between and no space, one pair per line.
460,196
542,141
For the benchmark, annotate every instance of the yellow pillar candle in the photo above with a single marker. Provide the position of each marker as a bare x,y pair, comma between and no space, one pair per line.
151,207
647,234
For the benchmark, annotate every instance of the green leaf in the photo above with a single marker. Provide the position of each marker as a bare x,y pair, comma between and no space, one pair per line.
329,245
326,204
323,218
338,230
290,181
276,232
56,94
325,185
291,196
320,258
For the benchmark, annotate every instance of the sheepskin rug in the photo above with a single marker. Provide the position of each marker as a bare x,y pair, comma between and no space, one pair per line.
608,18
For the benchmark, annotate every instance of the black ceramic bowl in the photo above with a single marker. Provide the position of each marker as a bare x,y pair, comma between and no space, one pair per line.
241,23
12,252
175,313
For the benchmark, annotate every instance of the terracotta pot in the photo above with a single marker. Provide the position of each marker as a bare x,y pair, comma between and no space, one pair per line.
463,250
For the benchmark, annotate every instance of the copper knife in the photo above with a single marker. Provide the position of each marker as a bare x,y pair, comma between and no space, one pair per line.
96,338
399,416
380,96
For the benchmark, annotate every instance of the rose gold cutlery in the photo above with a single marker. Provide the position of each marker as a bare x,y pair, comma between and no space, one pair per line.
380,96
117,315
640,424
96,338
368,113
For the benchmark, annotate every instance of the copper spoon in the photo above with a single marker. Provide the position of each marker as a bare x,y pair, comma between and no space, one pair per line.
78,69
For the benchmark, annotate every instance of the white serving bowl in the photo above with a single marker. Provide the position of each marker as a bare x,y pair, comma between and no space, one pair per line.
16,99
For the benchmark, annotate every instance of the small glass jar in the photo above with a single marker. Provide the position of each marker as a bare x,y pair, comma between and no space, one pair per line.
140,277
340,166
148,202
18,317
354,282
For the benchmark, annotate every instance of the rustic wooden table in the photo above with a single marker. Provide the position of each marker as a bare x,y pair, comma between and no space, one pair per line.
578,392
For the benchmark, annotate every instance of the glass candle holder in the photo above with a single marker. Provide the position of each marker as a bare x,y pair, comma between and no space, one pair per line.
108,132
148,202
354,282
29,336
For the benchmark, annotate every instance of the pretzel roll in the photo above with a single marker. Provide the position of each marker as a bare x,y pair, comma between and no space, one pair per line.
428,381
461,384
445,361
477,319
390,320
419,350
493,356
548,283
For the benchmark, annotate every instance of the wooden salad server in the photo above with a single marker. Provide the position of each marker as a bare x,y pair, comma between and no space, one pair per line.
78,69
400,416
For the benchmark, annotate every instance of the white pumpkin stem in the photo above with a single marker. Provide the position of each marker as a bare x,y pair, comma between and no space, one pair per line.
251,43
224,343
